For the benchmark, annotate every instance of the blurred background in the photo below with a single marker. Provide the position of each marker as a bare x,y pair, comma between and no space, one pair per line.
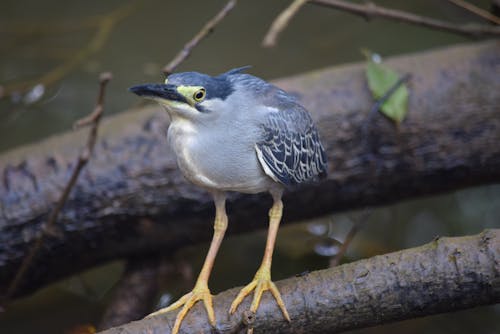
66,44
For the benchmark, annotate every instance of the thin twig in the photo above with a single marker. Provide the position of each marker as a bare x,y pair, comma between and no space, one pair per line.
371,10
81,162
350,236
281,22
476,10
204,32
94,117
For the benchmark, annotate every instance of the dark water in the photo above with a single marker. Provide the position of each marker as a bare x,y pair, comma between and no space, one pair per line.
37,37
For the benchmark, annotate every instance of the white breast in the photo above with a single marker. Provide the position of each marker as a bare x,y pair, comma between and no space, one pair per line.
181,137
211,161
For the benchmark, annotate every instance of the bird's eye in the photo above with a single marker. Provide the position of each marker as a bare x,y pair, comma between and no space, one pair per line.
199,95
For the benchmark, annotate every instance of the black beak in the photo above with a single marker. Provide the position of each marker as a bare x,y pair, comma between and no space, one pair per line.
162,91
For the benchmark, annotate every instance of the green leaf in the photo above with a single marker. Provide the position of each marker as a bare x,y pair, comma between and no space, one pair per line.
380,80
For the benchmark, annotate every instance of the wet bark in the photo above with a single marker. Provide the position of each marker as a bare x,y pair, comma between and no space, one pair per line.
132,199
445,275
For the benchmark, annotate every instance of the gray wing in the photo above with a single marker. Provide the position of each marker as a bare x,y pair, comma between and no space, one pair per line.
290,151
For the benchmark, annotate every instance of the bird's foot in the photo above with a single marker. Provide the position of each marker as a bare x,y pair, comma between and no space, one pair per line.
261,282
200,292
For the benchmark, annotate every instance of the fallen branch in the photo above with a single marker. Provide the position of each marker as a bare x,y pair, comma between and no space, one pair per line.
371,10
446,275
204,32
131,197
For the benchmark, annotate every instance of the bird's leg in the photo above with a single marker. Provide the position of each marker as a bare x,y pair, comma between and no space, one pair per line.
262,280
200,290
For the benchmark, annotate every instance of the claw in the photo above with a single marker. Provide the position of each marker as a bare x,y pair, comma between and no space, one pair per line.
261,283
187,301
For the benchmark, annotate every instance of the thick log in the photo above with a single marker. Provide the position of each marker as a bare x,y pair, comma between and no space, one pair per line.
445,275
131,198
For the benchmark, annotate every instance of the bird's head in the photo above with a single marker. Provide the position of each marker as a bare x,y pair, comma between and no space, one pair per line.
191,95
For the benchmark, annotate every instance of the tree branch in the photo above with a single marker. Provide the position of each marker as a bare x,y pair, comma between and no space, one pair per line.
204,32
445,275
131,197
371,10
476,10
281,22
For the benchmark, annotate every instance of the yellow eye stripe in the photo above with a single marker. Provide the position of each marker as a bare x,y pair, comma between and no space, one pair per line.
192,93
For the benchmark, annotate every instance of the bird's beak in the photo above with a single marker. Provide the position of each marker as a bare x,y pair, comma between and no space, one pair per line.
158,92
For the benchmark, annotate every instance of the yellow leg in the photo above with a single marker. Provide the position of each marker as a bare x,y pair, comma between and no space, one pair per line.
200,290
262,280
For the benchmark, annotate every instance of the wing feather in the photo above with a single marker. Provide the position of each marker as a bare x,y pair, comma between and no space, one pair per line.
290,151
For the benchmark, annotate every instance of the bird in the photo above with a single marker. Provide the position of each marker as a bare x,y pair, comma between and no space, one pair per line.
235,132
